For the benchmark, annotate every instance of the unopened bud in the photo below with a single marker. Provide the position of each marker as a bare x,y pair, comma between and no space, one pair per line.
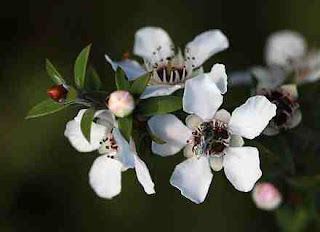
120,103
266,196
57,93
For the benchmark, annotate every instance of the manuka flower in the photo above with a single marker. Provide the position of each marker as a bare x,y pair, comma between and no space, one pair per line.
116,154
212,139
288,114
170,69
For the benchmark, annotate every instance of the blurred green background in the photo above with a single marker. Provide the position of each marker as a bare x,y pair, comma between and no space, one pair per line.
44,182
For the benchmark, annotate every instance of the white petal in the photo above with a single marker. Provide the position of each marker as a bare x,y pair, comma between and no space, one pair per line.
271,131
242,167
236,141
242,77
270,77
205,45
193,121
284,47
105,177
131,68
78,141
159,90
153,44
219,76
169,128
252,117
124,153
216,162
193,178
144,176
187,151
291,89
223,115
105,118
166,149
201,97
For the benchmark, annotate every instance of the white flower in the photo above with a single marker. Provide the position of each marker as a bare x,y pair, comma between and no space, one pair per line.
121,103
170,69
266,196
288,114
212,139
116,154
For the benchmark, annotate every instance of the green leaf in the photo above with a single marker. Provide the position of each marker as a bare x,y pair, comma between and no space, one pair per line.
72,95
125,126
86,123
122,82
80,67
139,84
44,108
54,74
292,220
160,105
93,82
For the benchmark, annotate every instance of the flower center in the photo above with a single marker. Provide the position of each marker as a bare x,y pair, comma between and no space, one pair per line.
108,145
286,106
170,75
210,138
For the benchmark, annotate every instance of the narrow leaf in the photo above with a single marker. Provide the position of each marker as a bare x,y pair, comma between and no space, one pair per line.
139,84
55,76
86,123
160,105
80,67
93,82
44,108
125,126
122,82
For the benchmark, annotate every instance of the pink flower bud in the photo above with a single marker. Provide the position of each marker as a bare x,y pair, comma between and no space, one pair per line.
266,196
120,103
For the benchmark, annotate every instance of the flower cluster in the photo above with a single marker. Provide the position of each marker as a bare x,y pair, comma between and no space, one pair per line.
182,107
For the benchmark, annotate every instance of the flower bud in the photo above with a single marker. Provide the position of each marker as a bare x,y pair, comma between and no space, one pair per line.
120,103
57,93
266,196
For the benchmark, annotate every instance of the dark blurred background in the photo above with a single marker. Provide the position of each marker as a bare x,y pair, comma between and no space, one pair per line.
44,182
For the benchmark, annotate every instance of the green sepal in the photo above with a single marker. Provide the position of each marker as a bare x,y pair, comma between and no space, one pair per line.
160,105
53,73
80,67
122,81
139,84
125,126
86,123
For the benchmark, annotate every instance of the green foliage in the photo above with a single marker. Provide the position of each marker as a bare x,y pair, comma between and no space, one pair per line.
292,220
55,76
86,123
122,82
139,84
125,126
160,105
80,67
93,81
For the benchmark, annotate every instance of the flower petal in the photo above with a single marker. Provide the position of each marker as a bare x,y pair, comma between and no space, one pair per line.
252,117
170,129
159,90
131,68
105,177
205,45
295,119
201,97
219,76
271,131
143,175
187,151
236,141
166,149
124,153
78,141
242,167
153,44
283,47
270,77
193,178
